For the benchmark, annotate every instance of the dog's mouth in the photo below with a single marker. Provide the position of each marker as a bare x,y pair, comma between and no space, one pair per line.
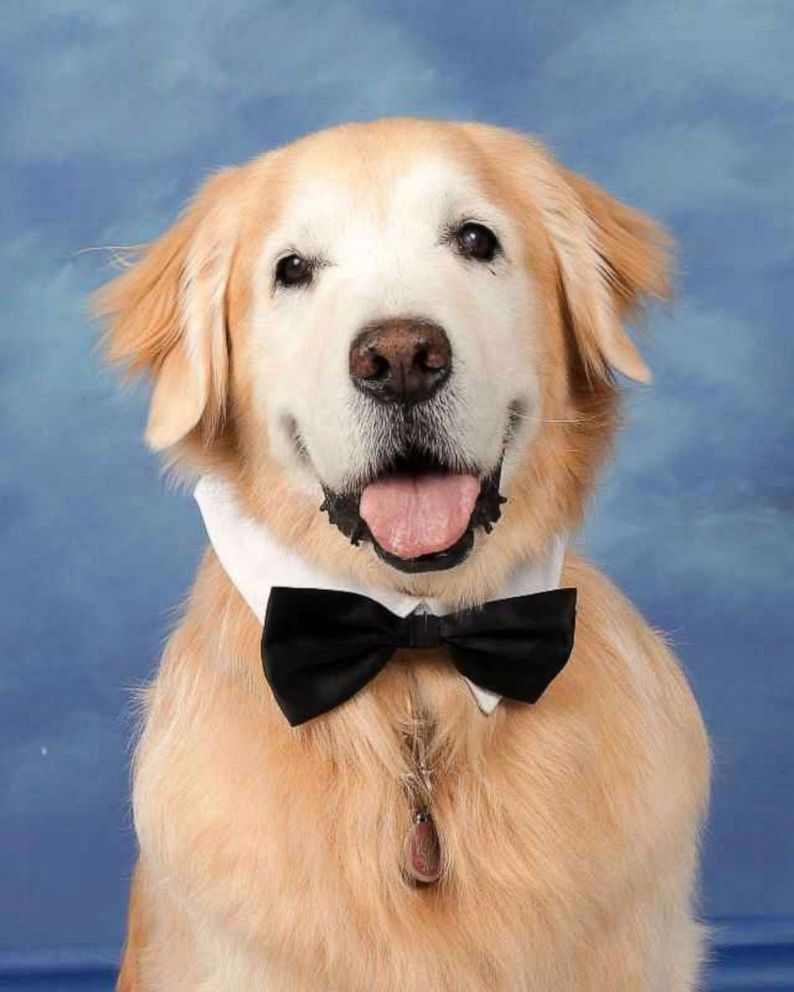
419,514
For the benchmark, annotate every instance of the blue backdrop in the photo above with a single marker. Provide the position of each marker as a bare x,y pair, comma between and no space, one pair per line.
113,112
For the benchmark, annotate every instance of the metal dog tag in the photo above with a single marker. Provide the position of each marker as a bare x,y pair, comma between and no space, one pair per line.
423,850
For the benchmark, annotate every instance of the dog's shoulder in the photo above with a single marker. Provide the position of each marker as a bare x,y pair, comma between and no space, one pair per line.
607,619
620,655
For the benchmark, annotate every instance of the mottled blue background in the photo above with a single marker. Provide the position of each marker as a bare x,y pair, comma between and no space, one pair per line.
113,112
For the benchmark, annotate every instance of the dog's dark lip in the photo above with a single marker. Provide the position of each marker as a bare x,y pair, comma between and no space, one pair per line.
438,561
343,512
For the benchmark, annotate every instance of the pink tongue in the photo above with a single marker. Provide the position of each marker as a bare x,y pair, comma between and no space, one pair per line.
416,515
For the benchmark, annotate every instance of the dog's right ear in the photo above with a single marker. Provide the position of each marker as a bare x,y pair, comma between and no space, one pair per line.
166,315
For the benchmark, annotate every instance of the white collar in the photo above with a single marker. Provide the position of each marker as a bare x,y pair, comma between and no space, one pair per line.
255,562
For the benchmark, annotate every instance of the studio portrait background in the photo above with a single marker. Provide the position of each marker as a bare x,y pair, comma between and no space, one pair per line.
113,113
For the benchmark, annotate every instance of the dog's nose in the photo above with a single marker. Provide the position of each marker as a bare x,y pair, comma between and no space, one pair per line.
403,361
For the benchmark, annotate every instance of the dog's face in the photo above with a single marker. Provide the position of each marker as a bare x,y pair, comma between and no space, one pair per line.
384,331
391,359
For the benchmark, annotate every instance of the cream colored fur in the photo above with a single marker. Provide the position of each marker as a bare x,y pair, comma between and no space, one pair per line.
269,855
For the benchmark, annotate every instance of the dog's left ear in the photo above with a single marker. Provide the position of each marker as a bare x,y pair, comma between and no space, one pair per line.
611,258
608,256
166,315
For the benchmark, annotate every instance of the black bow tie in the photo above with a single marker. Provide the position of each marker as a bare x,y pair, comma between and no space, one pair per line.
320,647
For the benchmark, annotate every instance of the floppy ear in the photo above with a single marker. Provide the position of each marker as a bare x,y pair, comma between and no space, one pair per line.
611,258
166,315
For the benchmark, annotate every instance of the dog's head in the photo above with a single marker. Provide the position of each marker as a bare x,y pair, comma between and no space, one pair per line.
382,332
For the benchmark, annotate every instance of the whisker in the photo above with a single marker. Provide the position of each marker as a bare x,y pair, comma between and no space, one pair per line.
123,256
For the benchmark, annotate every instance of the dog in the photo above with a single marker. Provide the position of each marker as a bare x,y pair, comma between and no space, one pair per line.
389,351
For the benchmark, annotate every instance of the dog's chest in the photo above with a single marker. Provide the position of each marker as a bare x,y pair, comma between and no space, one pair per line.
410,822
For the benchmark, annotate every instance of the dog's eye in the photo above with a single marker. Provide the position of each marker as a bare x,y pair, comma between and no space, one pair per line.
294,270
477,241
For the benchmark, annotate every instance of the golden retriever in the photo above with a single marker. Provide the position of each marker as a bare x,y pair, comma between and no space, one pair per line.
270,854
